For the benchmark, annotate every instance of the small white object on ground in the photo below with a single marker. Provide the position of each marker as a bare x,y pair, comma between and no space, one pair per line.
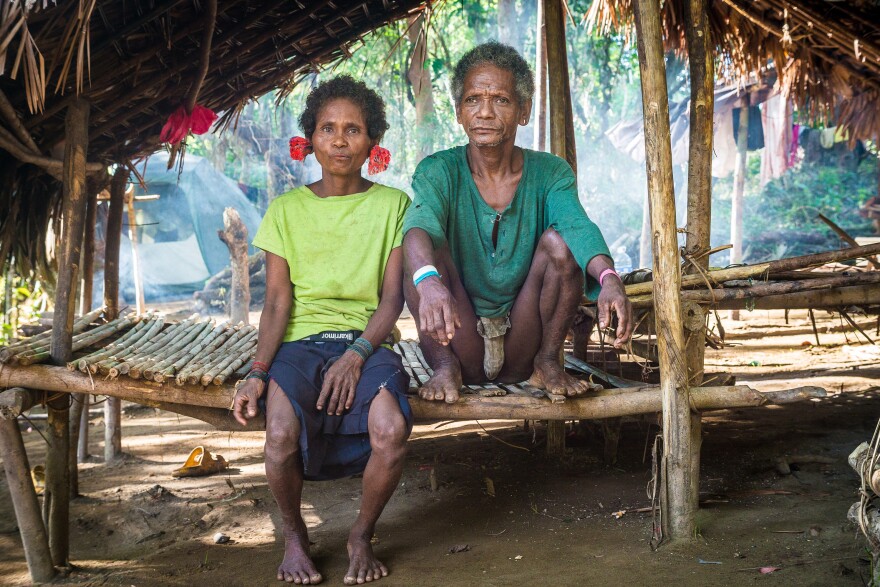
220,538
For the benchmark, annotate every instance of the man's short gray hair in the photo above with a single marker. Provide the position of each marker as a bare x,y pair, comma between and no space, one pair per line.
501,56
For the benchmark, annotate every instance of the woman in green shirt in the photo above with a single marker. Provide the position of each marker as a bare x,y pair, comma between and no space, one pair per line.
334,406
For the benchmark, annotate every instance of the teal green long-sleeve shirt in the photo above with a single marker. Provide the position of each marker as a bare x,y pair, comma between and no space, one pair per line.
448,206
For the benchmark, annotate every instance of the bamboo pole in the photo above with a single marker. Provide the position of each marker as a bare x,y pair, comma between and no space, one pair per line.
699,202
675,472
56,497
199,362
235,236
117,355
45,338
862,295
769,268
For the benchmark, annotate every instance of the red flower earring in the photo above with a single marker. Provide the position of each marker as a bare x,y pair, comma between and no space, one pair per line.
299,148
379,160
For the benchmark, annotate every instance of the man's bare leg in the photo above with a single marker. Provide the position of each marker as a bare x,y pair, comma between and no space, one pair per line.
462,359
388,435
284,471
541,317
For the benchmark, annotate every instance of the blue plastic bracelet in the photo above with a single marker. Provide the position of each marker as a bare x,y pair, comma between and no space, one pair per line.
365,344
359,351
422,278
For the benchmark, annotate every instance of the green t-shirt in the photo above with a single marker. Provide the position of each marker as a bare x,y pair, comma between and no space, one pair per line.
448,206
337,249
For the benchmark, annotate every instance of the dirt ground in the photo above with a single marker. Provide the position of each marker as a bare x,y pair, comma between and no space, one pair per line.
514,516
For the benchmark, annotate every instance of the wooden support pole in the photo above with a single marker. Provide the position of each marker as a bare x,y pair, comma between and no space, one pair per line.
562,143
739,187
25,503
540,103
675,471
135,260
79,412
113,406
235,236
699,203
609,403
56,498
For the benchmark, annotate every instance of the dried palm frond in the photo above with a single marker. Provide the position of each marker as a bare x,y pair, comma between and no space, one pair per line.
28,58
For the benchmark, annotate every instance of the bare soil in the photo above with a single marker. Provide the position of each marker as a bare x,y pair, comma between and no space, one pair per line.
513,515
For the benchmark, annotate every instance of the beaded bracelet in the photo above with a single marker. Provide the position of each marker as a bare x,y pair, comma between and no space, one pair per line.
257,374
363,348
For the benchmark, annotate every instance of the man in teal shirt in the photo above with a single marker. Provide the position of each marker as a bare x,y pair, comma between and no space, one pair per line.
498,249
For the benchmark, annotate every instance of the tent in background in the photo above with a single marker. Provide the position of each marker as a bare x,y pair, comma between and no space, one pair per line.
178,245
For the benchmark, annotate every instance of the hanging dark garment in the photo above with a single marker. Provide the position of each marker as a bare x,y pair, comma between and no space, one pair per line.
756,128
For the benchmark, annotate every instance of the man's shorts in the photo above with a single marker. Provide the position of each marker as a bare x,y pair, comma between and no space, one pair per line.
334,446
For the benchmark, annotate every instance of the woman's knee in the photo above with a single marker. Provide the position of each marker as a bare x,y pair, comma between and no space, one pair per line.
387,428
282,436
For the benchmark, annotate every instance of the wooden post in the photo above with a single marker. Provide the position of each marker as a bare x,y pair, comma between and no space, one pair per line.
562,143
678,511
24,502
235,236
561,117
699,203
135,260
56,498
739,186
79,412
539,106
113,406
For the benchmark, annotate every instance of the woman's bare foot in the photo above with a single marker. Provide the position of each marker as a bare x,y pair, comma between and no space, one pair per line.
363,566
550,375
297,567
443,385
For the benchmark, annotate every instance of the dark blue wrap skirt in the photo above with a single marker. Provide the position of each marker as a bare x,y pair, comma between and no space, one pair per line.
334,446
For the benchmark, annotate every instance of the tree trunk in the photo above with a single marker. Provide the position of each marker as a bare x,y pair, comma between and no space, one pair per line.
56,500
235,236
507,29
675,472
539,107
420,81
113,406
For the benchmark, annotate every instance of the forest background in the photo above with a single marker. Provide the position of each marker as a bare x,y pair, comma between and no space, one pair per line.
410,63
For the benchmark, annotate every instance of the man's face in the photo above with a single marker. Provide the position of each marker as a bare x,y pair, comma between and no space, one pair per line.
490,110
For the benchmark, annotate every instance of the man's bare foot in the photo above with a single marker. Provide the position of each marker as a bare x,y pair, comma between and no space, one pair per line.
443,385
297,567
363,566
550,375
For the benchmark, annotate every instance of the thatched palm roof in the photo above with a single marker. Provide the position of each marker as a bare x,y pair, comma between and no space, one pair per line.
827,53
136,62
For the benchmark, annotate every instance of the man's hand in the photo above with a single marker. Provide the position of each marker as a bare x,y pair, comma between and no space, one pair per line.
613,298
340,383
244,405
438,317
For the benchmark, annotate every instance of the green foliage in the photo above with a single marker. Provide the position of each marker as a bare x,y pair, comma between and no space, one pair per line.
23,302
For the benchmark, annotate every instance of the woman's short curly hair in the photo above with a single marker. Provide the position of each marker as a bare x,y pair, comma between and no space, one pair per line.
501,56
345,86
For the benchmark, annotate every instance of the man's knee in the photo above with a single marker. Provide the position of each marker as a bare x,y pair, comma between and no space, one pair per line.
553,247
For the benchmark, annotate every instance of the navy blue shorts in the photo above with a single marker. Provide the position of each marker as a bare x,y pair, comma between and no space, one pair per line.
335,446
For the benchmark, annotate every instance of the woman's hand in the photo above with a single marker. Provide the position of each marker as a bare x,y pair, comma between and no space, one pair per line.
340,382
244,404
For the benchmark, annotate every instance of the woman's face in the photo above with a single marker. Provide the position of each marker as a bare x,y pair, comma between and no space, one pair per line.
340,142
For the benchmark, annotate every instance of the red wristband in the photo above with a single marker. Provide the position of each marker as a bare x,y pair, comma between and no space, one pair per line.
606,273
261,366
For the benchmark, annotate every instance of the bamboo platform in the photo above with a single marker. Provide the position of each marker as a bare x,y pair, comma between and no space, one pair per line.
190,367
